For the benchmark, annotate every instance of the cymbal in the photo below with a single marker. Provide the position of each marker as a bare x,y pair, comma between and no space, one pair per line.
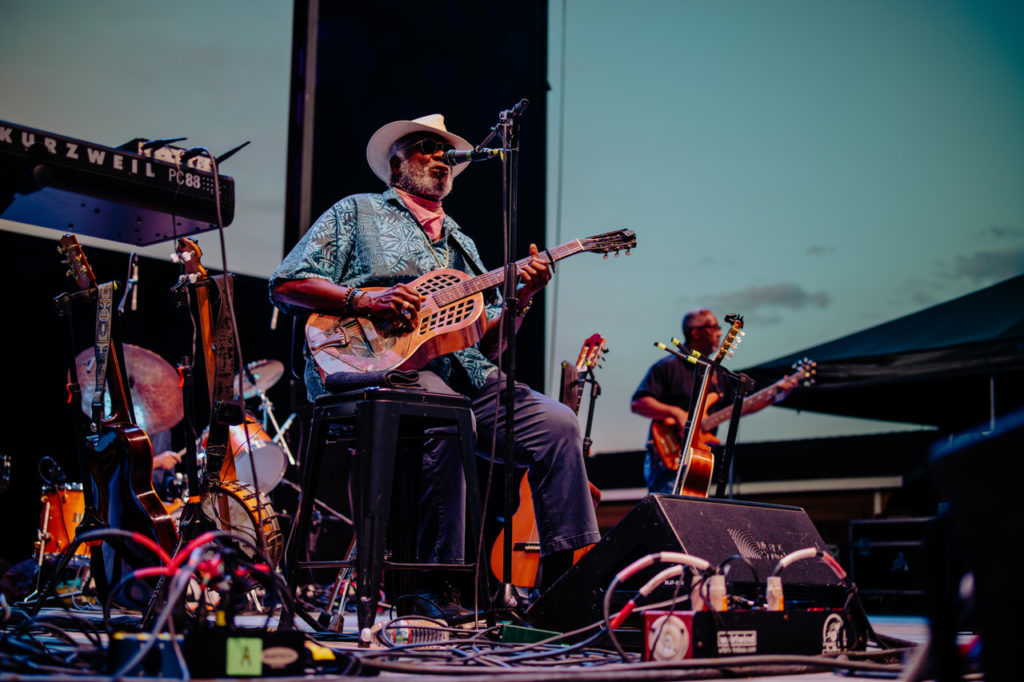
262,375
153,383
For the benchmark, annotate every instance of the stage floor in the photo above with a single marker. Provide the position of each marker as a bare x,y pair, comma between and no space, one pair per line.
492,661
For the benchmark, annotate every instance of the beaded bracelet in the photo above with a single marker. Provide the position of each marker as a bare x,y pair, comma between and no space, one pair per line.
350,297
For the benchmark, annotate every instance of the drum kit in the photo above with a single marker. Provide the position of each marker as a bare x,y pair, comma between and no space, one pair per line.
156,397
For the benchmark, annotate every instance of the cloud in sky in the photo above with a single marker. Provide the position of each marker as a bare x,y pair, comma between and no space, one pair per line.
820,250
990,265
1003,232
766,301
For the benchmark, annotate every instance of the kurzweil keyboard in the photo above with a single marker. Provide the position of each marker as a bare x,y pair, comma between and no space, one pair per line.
140,193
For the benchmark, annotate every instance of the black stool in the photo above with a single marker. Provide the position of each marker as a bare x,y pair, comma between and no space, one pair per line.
374,419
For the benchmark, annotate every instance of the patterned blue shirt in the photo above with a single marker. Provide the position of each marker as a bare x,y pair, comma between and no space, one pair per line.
373,240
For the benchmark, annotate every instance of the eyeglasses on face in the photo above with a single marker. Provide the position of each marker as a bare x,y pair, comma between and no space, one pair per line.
429,145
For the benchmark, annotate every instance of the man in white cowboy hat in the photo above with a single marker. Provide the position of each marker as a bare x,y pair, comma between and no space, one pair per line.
386,240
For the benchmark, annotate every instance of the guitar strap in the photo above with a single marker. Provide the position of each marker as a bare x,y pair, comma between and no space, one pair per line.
224,345
104,312
467,258
224,412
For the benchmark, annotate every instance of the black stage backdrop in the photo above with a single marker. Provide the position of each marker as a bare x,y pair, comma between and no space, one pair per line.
384,61
377,62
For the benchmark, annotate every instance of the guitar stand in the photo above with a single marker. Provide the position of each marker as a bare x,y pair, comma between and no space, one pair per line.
91,519
193,521
595,391
744,386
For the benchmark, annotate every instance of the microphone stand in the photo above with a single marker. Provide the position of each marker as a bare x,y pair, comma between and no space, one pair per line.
505,598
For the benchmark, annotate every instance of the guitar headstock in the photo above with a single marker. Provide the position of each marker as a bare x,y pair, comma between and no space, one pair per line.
805,370
591,353
732,337
78,267
615,241
188,254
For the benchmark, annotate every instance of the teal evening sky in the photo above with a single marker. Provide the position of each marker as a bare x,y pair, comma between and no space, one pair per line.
820,167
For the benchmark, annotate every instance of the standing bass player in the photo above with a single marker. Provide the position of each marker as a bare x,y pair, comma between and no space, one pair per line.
664,393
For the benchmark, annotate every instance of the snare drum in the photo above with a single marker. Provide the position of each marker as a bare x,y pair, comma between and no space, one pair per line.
63,509
269,457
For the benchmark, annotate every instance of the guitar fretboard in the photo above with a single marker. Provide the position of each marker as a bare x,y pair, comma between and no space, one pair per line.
461,290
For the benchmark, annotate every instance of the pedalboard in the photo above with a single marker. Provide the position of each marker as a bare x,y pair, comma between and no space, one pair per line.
678,635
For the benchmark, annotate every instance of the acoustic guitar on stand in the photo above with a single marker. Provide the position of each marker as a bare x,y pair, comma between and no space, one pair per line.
695,461
525,537
667,442
450,319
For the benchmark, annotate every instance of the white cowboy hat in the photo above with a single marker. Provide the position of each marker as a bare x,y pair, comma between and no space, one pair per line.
380,142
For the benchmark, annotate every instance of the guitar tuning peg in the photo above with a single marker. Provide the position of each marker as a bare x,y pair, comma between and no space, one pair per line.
605,256
616,254
175,258
628,252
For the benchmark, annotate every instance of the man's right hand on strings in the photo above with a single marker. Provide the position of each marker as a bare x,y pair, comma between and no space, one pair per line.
398,302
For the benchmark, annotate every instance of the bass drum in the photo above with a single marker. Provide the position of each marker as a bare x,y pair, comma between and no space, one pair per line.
234,507
63,509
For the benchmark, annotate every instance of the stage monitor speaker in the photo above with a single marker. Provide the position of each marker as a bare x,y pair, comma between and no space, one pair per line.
713,529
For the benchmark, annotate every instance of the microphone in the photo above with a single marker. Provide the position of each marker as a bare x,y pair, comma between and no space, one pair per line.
134,280
51,472
453,157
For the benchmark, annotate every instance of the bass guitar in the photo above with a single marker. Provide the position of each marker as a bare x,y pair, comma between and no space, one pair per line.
450,319
525,537
120,453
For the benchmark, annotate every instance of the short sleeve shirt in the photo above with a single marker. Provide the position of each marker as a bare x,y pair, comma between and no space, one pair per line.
373,240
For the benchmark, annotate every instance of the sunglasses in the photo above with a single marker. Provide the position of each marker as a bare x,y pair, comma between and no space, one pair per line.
429,146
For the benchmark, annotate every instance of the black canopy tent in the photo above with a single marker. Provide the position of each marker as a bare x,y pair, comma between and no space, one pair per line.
953,365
